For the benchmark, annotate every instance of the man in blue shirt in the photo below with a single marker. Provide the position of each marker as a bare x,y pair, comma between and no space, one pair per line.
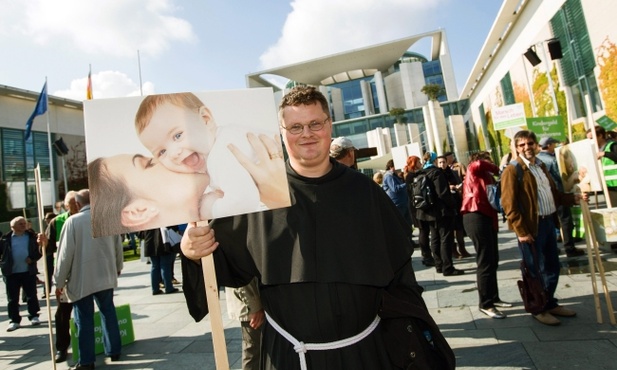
19,252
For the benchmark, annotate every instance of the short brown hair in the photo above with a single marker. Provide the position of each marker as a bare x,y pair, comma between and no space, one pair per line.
303,95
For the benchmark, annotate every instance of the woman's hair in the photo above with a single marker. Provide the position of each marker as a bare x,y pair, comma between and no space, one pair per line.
480,155
412,163
110,194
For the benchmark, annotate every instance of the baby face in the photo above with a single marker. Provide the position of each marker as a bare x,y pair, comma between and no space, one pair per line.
180,138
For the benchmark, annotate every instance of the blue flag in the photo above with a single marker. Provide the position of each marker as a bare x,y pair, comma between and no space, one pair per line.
41,108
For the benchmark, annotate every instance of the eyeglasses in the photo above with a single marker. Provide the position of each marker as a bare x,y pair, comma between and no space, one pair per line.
298,128
529,143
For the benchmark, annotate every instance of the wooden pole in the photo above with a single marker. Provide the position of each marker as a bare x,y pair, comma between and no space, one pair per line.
607,295
214,308
39,202
590,243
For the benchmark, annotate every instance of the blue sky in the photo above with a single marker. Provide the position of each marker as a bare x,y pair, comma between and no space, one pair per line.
211,45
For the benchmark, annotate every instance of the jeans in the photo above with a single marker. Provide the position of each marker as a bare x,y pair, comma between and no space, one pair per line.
162,267
423,240
84,320
480,230
546,258
14,283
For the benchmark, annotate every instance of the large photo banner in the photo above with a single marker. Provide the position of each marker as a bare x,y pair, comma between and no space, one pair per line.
169,159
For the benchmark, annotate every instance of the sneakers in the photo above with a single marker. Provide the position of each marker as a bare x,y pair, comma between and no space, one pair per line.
13,326
175,281
547,319
502,304
562,311
82,367
35,321
493,313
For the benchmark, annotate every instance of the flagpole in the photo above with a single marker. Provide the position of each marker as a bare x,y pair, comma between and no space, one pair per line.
51,163
141,90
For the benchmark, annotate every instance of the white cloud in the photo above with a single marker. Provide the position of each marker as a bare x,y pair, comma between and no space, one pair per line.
317,28
105,84
100,27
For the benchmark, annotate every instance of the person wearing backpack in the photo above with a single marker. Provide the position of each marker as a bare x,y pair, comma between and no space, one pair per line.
440,220
413,167
530,205
482,226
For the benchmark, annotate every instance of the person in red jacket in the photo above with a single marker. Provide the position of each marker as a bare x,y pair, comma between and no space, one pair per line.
481,225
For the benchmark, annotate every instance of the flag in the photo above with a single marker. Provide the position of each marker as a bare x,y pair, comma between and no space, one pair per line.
39,109
89,89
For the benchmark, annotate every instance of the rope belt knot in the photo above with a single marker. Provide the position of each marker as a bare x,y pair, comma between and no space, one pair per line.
301,348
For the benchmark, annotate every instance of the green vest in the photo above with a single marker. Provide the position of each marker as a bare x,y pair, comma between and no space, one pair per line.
60,220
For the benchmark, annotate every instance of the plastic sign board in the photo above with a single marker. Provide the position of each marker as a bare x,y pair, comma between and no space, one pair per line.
125,322
606,122
547,127
512,115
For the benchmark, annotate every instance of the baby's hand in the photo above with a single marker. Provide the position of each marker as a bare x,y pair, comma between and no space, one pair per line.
207,201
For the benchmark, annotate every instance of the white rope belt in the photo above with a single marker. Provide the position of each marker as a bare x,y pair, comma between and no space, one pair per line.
301,348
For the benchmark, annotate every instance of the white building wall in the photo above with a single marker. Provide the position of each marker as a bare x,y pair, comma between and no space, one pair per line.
521,35
400,134
394,91
381,92
367,98
380,138
447,69
456,124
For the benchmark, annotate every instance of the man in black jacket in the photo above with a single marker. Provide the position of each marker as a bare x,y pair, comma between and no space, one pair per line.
18,255
440,218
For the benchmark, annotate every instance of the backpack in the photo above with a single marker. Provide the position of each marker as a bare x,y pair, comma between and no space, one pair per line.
493,191
422,192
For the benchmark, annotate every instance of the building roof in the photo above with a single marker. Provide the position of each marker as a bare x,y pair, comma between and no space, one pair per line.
34,95
347,65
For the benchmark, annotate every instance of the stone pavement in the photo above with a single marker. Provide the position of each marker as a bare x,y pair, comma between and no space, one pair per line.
166,337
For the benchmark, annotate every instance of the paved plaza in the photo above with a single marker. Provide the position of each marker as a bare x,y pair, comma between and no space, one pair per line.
166,337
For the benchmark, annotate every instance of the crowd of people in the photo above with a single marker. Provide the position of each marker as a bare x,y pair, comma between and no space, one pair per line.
311,283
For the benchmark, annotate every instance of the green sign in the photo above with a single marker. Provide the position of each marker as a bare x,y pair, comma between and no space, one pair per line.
606,122
547,127
125,322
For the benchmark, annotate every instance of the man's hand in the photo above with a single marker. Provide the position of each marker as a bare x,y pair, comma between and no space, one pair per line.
58,293
41,239
256,319
198,241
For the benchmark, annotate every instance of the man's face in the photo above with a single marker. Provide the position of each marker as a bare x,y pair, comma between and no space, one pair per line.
442,163
20,226
180,138
349,159
71,206
526,148
449,160
309,150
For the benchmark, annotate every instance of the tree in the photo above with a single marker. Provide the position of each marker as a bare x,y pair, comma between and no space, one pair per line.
433,91
397,113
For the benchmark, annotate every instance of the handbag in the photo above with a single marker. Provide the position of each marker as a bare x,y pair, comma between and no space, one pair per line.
533,293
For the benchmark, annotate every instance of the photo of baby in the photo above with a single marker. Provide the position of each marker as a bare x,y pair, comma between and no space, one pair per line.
578,166
178,163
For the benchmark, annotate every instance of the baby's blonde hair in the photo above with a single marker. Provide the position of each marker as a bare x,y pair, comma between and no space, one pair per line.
149,105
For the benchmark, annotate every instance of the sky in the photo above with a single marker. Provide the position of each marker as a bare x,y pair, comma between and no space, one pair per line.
211,45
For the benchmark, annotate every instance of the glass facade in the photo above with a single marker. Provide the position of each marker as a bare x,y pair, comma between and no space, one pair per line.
434,76
19,158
